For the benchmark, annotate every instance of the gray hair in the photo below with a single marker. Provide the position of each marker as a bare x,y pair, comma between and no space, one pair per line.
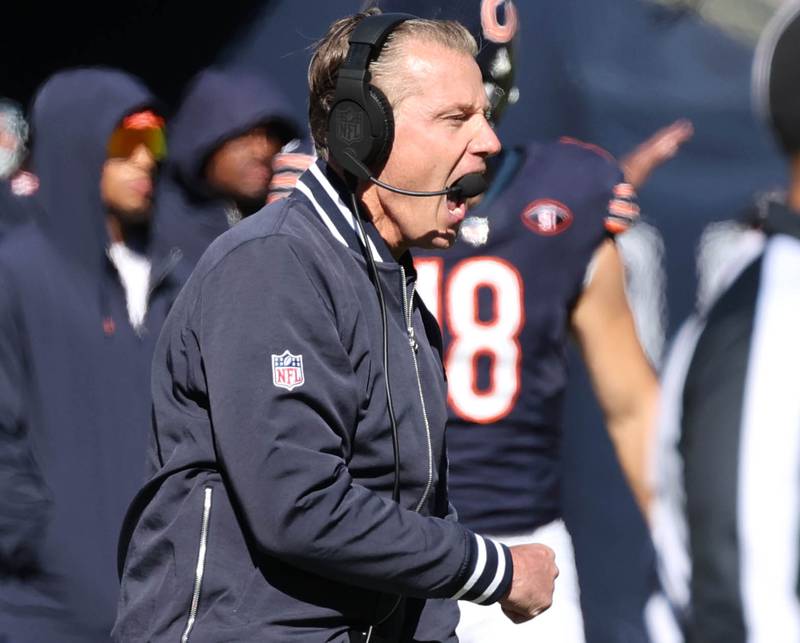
13,124
385,71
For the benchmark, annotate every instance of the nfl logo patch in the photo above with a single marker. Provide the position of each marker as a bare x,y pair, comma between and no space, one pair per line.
350,124
287,370
547,217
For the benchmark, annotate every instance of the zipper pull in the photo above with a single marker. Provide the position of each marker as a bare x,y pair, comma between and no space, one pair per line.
412,339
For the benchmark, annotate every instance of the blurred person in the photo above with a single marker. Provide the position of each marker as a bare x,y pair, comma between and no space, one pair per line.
222,142
13,138
82,299
537,261
16,183
282,505
726,520
287,166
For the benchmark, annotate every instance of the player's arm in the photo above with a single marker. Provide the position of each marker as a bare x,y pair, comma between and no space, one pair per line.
623,380
664,144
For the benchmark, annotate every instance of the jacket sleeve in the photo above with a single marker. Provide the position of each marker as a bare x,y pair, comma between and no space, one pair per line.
283,443
24,500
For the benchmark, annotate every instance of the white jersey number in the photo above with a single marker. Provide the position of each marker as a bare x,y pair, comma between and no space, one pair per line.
455,303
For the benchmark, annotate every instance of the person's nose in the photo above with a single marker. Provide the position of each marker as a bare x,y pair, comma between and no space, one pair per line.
143,157
260,147
485,143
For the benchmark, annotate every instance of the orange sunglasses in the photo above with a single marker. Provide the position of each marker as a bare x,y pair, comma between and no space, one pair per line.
142,128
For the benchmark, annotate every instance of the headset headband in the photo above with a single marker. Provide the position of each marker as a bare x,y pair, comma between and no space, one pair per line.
361,124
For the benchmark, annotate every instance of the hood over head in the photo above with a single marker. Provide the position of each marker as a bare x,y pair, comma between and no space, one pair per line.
73,116
220,105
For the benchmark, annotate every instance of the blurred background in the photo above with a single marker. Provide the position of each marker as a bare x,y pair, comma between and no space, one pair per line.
606,71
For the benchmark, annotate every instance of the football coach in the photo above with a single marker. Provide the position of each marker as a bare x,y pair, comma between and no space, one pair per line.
297,487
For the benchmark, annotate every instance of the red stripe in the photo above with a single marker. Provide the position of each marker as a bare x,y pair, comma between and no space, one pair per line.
588,146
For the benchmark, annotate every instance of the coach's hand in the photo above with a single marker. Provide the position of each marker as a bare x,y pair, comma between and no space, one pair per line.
531,590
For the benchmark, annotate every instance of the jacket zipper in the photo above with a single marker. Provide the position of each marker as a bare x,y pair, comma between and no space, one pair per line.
412,342
166,267
156,279
201,564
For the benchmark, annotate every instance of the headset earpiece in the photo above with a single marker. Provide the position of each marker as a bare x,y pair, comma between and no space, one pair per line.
384,119
350,138
361,124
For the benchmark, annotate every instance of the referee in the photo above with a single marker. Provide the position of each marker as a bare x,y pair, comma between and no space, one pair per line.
726,519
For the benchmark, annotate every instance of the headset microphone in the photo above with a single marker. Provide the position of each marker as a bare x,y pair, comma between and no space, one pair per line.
466,187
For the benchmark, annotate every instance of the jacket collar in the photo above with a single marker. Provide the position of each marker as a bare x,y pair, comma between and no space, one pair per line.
331,200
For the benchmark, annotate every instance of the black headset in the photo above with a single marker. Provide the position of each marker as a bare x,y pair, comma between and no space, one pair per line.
361,124
360,135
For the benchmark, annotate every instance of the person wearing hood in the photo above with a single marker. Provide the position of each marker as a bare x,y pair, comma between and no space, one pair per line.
82,300
223,139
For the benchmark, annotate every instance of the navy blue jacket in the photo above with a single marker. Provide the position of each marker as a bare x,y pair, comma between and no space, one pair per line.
218,106
74,377
269,515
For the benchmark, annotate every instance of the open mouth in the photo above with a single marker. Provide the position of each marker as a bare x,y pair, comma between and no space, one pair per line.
456,205
457,209
465,191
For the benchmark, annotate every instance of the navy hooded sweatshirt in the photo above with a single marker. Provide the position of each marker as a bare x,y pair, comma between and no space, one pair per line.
74,376
218,106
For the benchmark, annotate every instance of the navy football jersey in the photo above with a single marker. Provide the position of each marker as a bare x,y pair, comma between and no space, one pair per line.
504,308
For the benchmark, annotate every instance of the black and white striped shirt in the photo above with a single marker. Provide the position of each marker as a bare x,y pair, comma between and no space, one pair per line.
727,516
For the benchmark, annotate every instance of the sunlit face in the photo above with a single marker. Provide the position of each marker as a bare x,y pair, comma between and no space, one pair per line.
126,185
241,168
441,134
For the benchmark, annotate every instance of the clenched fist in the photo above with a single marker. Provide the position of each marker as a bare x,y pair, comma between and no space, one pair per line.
532,586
